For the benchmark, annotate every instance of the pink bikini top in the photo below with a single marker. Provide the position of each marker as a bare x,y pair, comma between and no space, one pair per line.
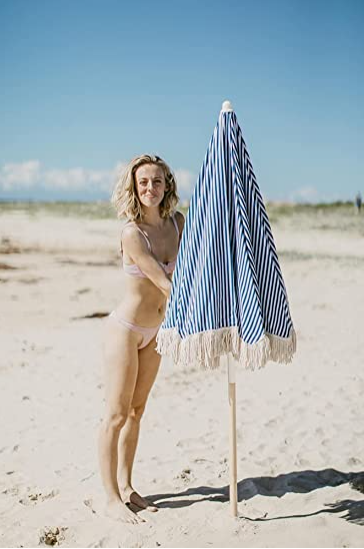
132,269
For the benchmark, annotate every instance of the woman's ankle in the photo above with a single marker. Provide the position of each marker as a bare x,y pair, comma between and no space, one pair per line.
113,498
125,487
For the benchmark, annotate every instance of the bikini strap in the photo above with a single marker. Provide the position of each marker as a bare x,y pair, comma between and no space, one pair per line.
141,231
145,236
175,223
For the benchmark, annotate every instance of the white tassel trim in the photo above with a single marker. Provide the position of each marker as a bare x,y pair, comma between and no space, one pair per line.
205,348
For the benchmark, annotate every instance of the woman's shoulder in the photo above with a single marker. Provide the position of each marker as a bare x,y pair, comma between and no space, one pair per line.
128,227
180,219
131,231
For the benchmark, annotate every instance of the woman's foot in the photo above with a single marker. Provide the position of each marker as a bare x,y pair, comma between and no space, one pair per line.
131,496
117,510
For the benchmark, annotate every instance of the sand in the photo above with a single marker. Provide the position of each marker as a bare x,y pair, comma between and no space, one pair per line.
300,427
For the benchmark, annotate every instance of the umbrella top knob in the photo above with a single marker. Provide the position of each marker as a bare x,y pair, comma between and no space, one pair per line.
227,107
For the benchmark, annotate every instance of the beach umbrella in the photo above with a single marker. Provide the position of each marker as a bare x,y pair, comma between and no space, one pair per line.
228,295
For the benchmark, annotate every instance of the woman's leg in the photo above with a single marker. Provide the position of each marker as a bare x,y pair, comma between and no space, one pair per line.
121,368
149,361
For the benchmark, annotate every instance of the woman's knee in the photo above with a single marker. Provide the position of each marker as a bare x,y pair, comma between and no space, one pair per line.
116,419
136,412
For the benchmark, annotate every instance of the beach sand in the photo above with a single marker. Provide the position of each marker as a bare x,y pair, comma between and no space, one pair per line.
300,427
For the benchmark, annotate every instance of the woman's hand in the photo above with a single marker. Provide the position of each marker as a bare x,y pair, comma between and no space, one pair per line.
168,286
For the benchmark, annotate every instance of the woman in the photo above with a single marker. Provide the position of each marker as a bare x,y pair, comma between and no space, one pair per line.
146,195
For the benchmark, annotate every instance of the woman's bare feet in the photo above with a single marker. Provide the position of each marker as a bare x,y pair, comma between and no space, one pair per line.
131,496
117,510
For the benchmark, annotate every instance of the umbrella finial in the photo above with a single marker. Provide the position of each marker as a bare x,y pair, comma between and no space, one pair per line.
227,107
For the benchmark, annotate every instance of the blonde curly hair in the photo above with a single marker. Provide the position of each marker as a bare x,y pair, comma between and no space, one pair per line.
125,197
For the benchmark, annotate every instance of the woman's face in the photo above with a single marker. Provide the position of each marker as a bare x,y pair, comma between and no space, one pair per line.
150,184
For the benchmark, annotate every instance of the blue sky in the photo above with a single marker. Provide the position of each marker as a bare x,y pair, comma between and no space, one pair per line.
85,85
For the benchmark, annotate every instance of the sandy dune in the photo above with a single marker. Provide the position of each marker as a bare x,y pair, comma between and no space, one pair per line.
300,426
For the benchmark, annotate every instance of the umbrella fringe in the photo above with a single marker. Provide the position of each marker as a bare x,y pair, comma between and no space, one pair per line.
205,348
282,349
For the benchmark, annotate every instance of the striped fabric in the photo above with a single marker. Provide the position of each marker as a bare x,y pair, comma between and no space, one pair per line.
228,293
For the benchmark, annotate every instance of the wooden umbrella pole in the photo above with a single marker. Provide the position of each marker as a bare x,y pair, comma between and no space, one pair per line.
233,464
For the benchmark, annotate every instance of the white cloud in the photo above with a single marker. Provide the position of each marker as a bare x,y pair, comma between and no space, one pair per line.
77,179
65,179
24,175
32,174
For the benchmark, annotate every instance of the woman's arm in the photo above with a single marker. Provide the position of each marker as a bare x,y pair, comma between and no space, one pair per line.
136,247
180,219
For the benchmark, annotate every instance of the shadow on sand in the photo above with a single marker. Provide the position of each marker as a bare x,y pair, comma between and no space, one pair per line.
300,482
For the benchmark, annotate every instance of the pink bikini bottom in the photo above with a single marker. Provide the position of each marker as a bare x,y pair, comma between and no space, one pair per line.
147,333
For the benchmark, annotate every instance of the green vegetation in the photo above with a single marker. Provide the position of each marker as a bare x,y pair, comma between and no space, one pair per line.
294,256
92,210
278,210
337,216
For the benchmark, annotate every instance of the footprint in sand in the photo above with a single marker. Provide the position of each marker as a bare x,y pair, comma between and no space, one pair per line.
354,461
30,499
36,497
89,504
271,423
52,535
185,475
14,491
224,467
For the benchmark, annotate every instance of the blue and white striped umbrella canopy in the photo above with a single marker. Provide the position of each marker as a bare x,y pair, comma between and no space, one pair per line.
228,293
